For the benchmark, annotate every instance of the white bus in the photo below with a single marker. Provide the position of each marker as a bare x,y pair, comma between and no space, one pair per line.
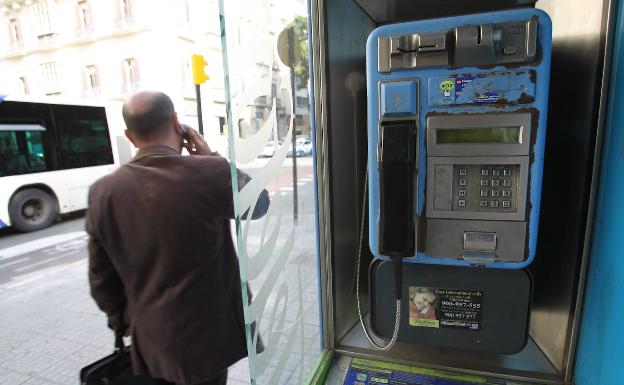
50,153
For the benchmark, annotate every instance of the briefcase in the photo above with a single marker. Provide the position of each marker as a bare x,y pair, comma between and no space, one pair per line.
114,369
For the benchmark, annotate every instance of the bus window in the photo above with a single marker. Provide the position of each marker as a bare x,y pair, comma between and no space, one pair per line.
83,136
21,152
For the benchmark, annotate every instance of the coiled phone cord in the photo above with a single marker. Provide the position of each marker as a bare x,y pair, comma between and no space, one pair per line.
397,319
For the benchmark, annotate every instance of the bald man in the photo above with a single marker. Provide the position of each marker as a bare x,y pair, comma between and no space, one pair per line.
162,263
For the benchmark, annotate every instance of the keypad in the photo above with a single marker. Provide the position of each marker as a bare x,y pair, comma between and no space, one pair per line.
485,188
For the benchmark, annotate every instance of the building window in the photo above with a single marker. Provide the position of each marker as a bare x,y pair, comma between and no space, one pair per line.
130,75
222,125
49,78
302,101
15,32
184,14
187,78
92,79
43,19
85,21
126,12
23,85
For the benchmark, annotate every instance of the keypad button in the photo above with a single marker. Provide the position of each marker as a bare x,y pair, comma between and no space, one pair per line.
507,172
463,171
462,182
495,183
495,193
506,204
484,182
484,171
506,193
461,193
483,203
495,172
461,203
484,193
507,183
494,204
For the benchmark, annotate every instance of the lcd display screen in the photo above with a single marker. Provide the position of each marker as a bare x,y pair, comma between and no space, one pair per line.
478,135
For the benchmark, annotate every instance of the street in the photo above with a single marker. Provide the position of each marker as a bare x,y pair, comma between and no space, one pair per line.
50,325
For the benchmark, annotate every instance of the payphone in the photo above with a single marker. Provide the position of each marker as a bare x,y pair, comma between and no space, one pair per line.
456,128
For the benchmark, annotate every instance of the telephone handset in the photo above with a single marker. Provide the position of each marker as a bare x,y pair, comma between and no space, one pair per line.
397,169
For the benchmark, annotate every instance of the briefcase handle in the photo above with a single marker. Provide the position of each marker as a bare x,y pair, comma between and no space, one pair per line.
119,343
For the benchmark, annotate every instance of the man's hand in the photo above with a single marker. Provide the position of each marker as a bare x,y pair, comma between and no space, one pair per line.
196,145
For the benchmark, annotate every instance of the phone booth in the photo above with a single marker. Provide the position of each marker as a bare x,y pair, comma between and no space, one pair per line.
462,143
458,171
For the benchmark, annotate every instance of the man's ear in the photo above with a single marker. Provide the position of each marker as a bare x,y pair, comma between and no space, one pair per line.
131,138
176,124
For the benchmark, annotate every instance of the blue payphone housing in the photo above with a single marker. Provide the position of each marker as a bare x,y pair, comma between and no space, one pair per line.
456,127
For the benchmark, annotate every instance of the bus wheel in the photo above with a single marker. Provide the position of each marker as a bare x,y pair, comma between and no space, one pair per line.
32,209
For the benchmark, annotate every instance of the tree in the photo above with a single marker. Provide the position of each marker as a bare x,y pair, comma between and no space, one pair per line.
302,62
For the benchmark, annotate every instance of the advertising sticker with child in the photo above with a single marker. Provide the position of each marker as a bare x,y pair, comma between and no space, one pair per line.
445,308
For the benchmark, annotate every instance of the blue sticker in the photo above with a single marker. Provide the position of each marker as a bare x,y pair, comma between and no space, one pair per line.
2,97
514,87
2,224
369,372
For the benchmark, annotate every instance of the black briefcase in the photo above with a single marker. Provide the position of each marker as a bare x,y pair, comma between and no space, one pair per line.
115,369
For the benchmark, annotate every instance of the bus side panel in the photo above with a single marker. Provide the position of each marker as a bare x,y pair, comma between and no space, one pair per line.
70,187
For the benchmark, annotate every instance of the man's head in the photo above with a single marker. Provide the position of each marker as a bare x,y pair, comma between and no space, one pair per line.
151,119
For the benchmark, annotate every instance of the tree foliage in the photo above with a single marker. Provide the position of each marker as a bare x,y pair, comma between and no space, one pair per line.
302,63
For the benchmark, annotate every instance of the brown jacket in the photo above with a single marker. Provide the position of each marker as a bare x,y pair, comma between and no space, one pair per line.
162,263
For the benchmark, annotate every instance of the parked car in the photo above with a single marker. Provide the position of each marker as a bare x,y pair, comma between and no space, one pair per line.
269,149
303,147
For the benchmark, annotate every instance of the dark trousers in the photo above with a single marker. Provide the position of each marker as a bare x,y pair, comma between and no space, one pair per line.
221,379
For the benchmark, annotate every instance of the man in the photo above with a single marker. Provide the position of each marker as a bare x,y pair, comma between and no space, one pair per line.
162,263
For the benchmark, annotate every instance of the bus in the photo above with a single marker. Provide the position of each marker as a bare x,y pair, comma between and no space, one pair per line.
50,153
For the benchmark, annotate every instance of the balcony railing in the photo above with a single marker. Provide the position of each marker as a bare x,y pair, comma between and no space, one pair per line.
15,47
129,88
125,22
94,92
84,31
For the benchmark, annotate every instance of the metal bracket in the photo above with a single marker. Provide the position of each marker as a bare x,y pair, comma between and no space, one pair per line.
479,247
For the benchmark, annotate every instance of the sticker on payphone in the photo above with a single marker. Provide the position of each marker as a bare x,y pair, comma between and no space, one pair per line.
445,308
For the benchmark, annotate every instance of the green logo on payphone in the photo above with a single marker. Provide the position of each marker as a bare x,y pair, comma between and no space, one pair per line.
447,89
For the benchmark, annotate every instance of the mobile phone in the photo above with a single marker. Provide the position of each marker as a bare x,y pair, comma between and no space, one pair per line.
185,134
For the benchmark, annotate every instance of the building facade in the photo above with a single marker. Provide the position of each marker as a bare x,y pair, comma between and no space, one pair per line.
108,49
